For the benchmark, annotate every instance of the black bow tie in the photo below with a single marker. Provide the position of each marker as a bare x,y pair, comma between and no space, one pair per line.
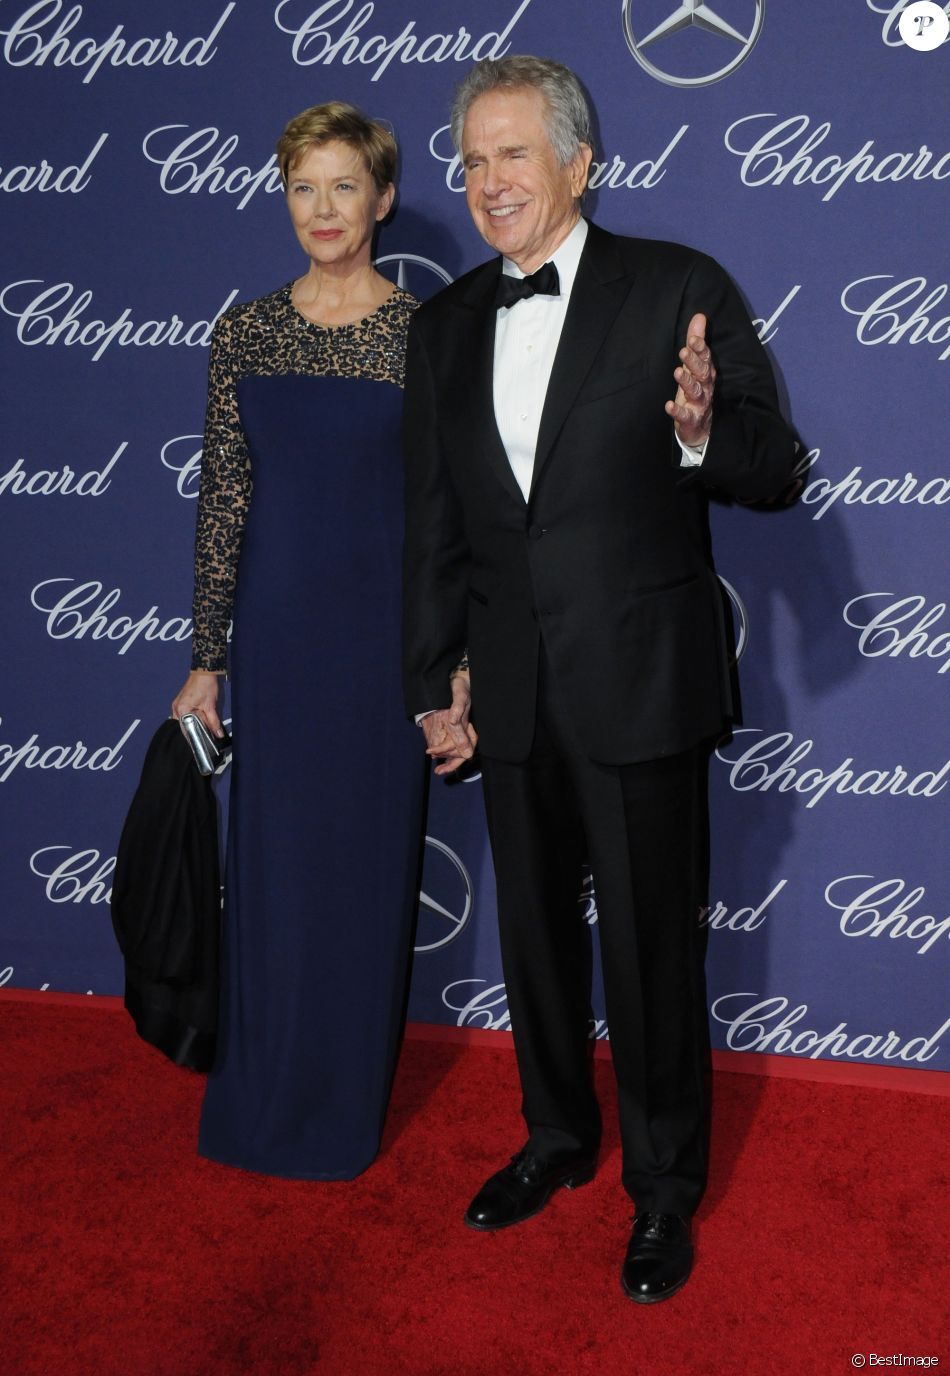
544,282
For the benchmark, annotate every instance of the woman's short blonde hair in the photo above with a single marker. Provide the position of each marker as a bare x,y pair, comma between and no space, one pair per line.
346,124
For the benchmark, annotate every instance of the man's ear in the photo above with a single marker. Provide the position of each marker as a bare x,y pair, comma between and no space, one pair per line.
580,166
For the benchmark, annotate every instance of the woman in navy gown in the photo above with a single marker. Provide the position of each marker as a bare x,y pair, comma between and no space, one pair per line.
299,541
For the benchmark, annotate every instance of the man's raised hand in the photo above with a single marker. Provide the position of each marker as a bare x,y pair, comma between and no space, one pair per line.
691,410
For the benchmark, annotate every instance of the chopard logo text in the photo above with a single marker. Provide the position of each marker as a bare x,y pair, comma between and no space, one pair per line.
76,610
884,908
857,489
187,465
900,313
767,1025
54,315
901,625
619,174
488,1007
35,39
45,482
34,755
76,877
44,177
338,29
198,160
786,151
775,763
743,919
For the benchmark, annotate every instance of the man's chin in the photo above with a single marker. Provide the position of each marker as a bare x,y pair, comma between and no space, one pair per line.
503,238
502,243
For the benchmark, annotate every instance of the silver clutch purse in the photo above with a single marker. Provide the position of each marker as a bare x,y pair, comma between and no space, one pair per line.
211,752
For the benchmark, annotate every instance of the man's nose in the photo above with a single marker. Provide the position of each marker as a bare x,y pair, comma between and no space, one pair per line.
496,183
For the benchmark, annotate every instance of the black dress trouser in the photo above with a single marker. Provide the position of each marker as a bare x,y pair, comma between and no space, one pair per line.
644,830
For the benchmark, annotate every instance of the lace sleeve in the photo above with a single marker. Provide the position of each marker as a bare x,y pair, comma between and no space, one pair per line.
223,498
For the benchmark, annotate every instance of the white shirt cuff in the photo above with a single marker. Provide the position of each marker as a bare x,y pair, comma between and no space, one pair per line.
691,455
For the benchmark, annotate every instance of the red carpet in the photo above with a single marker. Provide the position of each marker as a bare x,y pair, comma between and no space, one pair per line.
822,1234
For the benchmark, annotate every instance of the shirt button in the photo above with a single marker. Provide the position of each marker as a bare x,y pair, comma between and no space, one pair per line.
524,415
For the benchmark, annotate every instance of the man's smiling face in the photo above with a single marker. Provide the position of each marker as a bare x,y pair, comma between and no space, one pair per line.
523,202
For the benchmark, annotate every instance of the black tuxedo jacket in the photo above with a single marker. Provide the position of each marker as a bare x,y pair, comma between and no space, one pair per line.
609,559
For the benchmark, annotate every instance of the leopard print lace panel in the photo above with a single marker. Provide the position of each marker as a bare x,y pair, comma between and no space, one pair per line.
268,338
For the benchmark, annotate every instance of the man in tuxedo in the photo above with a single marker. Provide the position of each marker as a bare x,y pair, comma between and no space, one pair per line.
559,586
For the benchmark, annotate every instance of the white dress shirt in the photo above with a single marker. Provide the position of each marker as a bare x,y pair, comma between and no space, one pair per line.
527,334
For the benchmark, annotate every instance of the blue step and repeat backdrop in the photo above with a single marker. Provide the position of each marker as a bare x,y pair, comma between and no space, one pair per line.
803,144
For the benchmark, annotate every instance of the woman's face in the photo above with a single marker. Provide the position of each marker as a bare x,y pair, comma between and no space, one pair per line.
334,205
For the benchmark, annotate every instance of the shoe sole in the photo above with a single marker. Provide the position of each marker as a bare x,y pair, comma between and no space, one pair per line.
653,1299
573,1182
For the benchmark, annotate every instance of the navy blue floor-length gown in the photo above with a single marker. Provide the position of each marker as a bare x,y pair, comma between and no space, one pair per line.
299,534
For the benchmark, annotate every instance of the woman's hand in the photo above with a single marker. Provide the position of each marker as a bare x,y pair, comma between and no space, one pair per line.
200,695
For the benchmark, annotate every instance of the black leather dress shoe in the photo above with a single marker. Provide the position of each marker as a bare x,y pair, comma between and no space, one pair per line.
659,1257
523,1188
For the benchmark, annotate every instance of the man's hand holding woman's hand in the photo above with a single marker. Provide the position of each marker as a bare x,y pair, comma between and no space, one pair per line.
450,736
200,695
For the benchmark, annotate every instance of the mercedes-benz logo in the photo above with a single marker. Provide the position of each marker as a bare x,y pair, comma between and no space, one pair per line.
692,14
455,911
741,618
415,273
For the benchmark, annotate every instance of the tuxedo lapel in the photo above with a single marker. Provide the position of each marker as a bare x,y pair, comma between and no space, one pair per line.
600,289
480,300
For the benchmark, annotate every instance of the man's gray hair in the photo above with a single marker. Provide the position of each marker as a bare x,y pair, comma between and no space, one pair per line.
567,112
